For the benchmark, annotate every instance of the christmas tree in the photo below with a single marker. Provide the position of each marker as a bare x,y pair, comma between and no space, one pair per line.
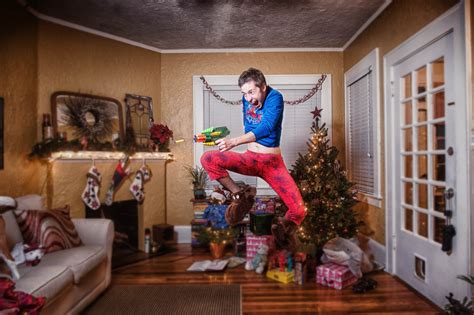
328,194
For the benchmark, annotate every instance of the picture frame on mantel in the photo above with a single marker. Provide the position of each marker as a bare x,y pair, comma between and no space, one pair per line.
138,118
2,119
94,108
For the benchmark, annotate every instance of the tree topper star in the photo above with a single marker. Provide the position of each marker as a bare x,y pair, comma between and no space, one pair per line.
316,112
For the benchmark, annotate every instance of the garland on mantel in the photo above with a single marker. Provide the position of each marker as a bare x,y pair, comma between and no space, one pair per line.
44,149
303,99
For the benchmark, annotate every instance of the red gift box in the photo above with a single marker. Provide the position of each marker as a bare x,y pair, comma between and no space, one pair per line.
334,276
253,241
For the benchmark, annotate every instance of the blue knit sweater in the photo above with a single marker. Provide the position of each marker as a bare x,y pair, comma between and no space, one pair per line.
265,123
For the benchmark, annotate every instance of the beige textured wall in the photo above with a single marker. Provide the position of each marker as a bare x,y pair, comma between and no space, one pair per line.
18,87
177,71
400,20
75,61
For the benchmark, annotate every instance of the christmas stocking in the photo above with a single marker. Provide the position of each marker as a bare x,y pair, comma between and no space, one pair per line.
90,196
119,175
142,175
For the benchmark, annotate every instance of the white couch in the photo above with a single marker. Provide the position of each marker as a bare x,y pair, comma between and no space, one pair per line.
70,279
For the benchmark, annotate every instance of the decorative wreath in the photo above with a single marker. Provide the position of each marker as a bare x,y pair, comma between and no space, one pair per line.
75,112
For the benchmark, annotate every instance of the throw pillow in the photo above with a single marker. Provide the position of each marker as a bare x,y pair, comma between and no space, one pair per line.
27,202
52,229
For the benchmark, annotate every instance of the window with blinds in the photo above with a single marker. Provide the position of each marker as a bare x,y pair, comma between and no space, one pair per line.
361,125
296,128
361,142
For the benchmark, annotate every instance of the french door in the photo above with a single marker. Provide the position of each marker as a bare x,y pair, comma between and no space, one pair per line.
428,169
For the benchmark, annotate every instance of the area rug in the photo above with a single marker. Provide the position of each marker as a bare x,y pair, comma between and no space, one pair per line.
168,299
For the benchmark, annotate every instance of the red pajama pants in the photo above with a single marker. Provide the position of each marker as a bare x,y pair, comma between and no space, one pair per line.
269,167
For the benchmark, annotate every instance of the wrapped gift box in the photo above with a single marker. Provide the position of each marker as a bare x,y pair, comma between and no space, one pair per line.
334,276
265,204
282,276
197,225
252,242
300,268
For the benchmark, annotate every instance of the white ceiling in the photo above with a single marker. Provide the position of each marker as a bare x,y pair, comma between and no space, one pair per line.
214,24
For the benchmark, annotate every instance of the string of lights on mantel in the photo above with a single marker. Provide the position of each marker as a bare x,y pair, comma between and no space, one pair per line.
109,155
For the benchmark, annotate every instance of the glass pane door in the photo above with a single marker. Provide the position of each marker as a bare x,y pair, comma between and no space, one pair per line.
423,149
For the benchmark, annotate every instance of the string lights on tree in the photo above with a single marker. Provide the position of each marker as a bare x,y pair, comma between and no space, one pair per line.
328,194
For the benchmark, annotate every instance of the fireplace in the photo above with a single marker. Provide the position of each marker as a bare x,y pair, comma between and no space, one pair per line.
124,214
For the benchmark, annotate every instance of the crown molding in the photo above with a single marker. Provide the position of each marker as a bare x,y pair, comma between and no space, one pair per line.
247,50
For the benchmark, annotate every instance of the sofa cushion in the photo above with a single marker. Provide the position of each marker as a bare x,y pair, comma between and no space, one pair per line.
27,202
44,280
12,229
52,230
80,259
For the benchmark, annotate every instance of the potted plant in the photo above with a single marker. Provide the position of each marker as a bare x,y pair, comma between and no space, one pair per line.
199,179
160,136
217,239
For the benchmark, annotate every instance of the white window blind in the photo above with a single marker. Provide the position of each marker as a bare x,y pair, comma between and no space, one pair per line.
297,120
361,134
296,127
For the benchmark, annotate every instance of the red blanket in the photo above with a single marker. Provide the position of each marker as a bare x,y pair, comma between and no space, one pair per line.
16,302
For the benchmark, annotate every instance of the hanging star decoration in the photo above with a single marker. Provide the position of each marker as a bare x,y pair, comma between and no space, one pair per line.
316,112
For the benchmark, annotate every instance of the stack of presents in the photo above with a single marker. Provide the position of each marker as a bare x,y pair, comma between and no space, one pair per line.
198,223
255,243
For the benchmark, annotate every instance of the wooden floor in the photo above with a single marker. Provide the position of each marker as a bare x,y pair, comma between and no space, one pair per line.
261,295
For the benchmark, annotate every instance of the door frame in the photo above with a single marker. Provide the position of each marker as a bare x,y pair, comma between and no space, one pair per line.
451,21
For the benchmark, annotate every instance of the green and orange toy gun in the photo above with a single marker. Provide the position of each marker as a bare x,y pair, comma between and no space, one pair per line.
210,135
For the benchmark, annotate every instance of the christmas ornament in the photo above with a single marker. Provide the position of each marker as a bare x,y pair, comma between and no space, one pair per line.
315,202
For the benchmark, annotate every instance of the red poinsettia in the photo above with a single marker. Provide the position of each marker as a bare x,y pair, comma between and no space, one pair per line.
160,133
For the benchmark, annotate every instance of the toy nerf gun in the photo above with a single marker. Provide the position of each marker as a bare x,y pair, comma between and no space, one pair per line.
210,135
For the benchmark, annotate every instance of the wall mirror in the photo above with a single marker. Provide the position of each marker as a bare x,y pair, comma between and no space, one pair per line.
77,116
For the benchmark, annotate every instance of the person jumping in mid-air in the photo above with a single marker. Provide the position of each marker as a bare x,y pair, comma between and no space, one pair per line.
263,115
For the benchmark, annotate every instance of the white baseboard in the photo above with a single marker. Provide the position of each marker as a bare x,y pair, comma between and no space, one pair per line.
183,234
378,250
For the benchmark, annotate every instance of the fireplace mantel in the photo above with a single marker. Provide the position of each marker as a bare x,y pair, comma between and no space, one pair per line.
108,155
66,178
